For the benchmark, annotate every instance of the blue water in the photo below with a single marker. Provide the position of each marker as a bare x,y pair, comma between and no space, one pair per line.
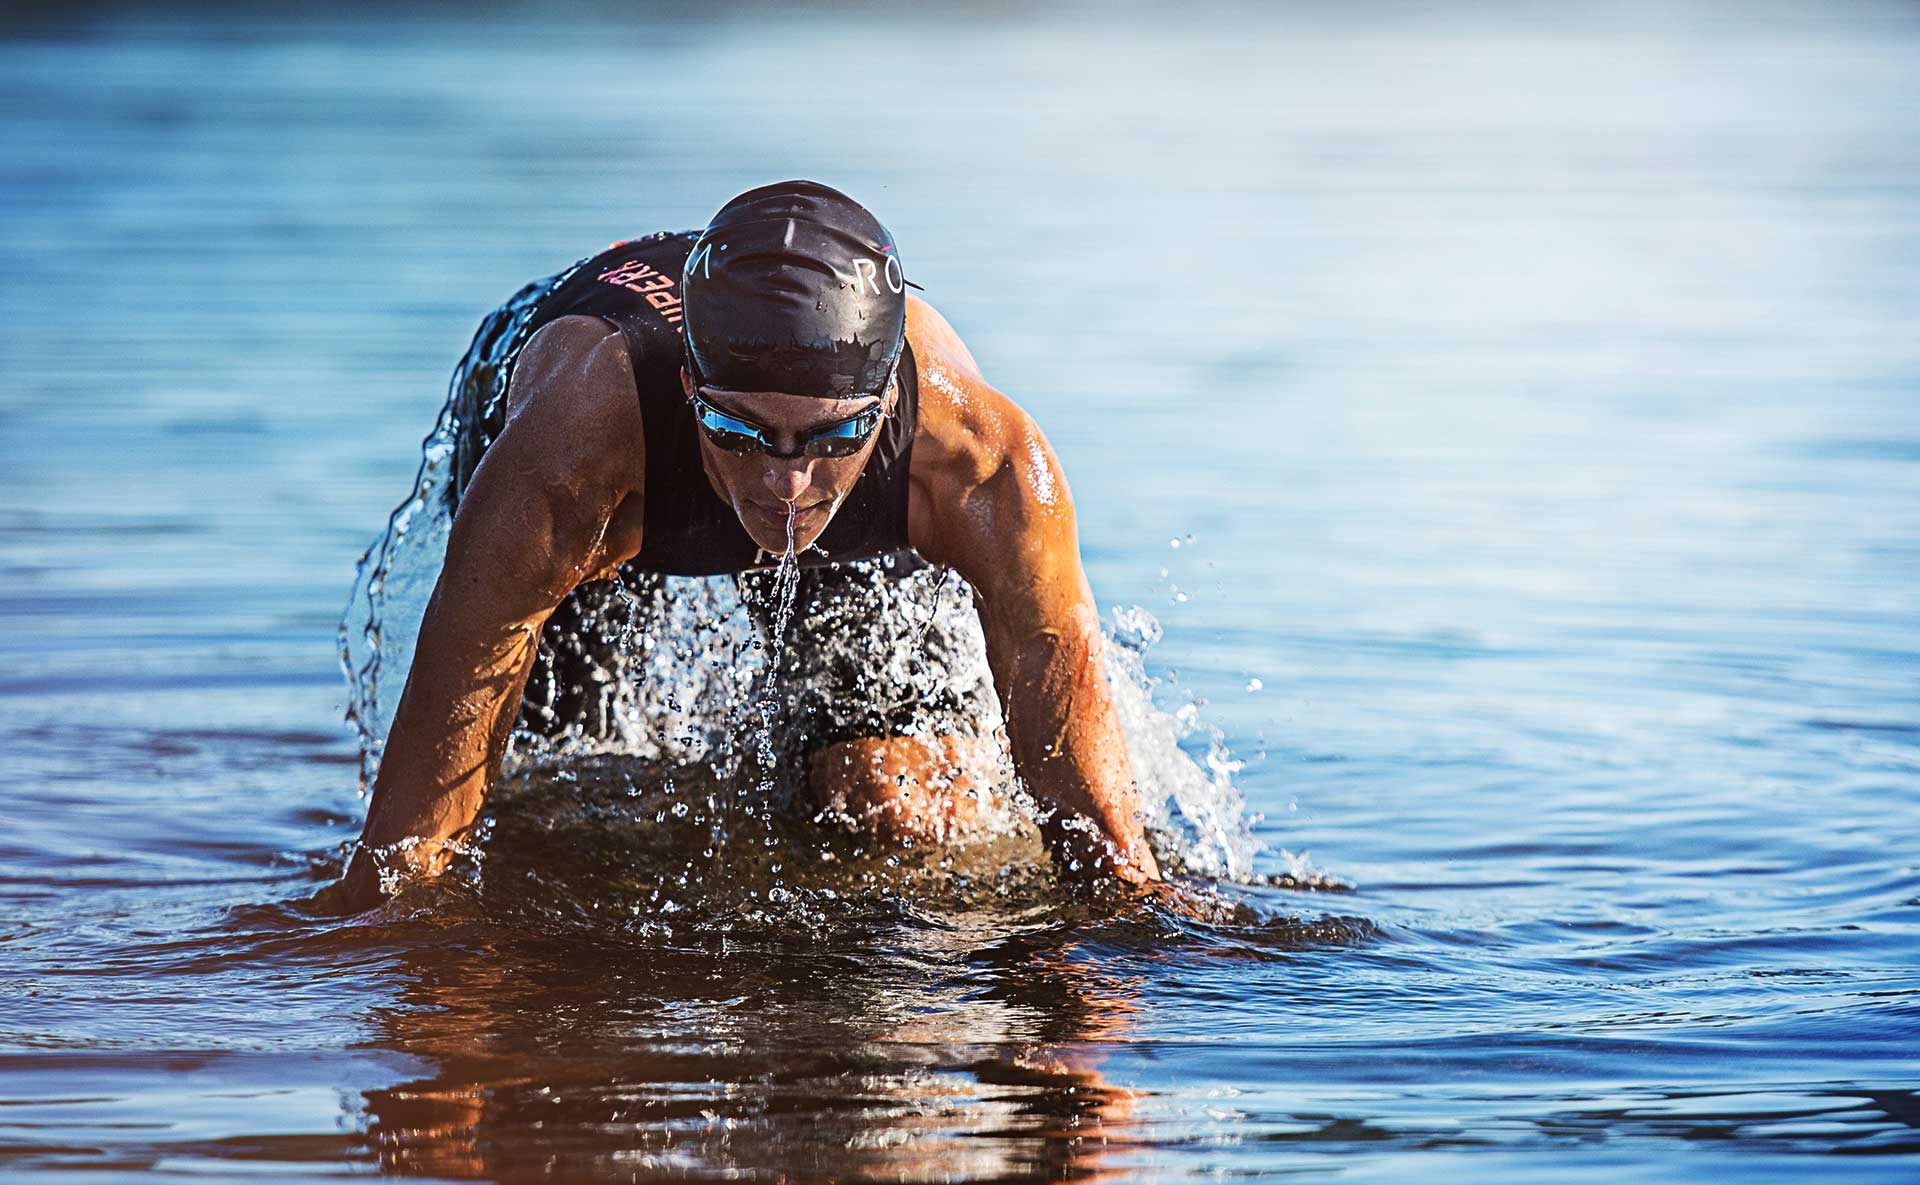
1534,398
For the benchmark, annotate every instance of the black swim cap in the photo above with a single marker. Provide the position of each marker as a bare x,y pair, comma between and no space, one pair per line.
794,287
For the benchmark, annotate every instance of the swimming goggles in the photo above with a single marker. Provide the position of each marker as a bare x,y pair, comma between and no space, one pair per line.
735,435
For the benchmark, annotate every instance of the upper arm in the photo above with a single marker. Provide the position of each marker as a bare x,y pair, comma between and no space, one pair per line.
993,501
560,487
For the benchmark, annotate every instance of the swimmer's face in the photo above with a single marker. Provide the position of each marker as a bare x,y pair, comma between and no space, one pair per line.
761,487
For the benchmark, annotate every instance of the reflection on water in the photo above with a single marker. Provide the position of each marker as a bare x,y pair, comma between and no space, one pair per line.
893,1058
856,1015
611,996
1506,417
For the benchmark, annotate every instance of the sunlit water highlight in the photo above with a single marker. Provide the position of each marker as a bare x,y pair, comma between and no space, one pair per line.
1531,396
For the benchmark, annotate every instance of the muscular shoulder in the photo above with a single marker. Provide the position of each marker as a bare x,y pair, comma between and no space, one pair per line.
978,455
968,428
572,403
581,360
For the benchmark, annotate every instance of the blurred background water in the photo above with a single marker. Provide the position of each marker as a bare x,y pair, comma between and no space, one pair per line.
1531,394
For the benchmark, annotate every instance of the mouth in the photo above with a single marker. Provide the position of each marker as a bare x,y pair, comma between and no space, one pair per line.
775,516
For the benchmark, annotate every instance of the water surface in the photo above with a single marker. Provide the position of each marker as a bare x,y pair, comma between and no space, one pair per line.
1512,419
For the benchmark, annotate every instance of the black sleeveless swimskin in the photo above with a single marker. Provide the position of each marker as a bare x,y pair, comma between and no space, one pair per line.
689,529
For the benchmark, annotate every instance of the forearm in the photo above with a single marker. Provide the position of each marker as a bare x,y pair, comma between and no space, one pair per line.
448,737
441,756
476,647
1068,748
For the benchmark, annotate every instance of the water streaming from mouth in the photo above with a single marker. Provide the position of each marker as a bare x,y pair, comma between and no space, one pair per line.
758,793
767,706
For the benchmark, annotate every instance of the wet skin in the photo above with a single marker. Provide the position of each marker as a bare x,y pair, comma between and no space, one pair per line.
556,502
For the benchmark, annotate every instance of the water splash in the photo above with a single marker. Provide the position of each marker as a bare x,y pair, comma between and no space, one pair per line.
392,582
681,665
1196,817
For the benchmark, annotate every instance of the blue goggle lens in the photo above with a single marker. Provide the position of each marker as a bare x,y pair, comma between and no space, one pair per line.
736,435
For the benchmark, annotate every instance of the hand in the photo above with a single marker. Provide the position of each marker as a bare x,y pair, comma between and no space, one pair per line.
370,879
357,890
1085,851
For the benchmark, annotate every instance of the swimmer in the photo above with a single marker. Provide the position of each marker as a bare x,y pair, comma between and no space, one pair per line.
698,404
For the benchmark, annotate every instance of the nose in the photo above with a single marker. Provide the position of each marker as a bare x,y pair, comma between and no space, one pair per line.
788,481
